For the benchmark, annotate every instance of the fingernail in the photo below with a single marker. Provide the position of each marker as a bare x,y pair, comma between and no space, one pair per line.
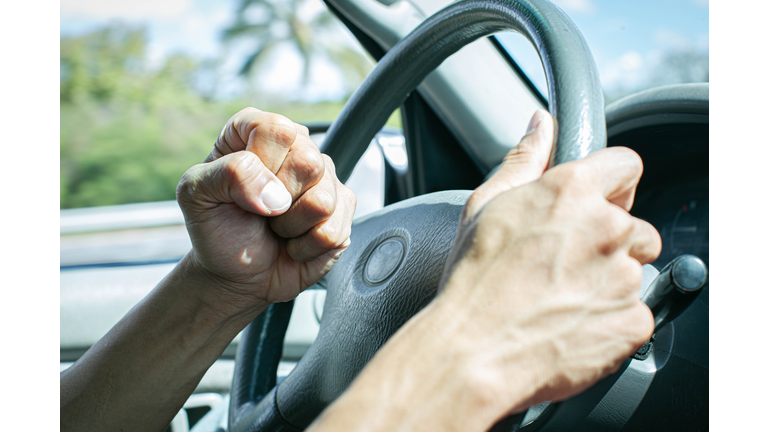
275,196
535,120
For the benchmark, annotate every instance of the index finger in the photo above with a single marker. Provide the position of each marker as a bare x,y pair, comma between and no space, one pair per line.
622,169
615,171
269,136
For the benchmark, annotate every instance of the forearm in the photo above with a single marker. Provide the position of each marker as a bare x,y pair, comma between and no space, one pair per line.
428,376
140,374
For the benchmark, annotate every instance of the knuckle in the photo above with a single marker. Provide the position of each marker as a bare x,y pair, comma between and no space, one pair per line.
348,195
648,239
240,123
571,178
240,116
617,226
309,164
473,204
300,128
238,164
322,203
278,129
614,232
329,165
633,160
581,174
632,275
329,235
248,110
655,239
245,113
346,232
185,190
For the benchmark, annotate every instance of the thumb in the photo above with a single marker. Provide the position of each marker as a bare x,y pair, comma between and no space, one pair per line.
239,178
522,165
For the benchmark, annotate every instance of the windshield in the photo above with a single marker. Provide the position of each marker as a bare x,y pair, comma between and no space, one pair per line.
636,45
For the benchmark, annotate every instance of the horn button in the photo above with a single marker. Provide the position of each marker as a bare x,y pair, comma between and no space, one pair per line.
384,261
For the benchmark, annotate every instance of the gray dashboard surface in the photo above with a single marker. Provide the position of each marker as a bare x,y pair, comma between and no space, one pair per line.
678,103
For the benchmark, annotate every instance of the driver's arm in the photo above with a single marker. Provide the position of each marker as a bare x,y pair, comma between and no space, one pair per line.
267,218
539,299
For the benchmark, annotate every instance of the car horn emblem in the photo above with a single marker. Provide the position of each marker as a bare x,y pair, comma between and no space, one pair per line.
384,261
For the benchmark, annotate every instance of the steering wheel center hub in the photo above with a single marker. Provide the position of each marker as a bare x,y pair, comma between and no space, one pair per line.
384,261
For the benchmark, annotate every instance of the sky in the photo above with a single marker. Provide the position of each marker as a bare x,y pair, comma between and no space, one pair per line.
627,38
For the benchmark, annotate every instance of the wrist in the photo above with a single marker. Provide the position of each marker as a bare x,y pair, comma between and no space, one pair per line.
141,372
219,299
432,358
496,371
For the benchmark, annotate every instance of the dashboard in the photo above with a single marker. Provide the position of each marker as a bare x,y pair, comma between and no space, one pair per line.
673,194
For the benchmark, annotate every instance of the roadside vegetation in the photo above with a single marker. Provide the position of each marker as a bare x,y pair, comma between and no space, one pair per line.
132,124
130,127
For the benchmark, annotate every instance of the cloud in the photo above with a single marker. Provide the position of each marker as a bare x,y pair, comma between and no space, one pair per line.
135,9
702,3
629,70
576,6
672,39
676,59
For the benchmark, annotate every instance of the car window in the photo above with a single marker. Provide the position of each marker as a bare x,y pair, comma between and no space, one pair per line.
144,93
636,45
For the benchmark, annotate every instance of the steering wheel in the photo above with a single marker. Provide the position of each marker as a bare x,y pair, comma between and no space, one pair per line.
393,267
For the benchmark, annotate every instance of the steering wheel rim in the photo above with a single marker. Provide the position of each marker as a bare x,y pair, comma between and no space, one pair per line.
575,93
576,103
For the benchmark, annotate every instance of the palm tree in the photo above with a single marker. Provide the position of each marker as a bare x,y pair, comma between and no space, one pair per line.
272,23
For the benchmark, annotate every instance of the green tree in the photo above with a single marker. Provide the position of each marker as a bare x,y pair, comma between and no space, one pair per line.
102,65
128,131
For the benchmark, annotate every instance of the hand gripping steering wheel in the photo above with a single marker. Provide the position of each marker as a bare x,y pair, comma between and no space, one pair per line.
393,267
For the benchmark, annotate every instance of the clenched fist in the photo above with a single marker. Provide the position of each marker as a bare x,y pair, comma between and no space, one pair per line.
266,214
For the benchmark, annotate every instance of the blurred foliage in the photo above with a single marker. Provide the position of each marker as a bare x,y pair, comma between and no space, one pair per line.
269,24
110,65
129,131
